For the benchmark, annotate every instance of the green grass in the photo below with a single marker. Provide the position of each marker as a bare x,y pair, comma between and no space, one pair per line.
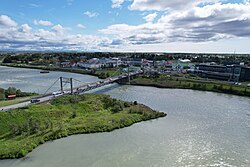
15,101
108,73
24,129
184,83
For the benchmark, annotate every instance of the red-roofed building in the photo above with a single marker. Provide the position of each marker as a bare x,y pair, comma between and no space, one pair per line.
11,96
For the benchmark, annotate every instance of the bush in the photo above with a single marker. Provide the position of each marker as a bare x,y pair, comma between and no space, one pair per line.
74,114
126,104
117,108
32,126
109,102
68,100
135,103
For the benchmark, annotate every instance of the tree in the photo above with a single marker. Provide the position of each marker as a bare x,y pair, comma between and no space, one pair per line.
2,94
117,108
10,91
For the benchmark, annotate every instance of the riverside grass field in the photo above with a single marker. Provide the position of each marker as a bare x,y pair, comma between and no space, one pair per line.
24,129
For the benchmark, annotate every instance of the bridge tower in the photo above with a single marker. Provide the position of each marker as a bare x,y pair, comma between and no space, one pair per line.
128,75
66,81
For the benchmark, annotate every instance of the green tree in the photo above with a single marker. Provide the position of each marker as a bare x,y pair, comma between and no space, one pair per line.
2,94
10,91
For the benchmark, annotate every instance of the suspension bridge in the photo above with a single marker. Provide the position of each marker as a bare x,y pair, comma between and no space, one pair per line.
80,88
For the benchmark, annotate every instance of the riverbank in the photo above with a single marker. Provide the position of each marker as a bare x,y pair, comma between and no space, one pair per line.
15,101
182,83
174,82
103,74
24,129
19,96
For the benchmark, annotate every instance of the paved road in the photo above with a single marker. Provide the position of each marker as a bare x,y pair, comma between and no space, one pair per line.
23,104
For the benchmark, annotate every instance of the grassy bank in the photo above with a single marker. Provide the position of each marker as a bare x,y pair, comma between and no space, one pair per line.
15,101
24,129
102,74
182,83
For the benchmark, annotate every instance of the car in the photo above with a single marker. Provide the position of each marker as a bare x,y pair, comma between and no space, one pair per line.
56,93
248,85
35,100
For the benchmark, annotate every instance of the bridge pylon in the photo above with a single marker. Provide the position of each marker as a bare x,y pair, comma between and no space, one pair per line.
128,75
66,81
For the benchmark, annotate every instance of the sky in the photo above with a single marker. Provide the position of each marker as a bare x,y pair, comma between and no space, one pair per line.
200,26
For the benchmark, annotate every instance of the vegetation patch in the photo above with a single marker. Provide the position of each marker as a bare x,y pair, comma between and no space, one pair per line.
186,83
24,129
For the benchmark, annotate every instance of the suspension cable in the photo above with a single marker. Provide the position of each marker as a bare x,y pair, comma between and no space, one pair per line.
51,86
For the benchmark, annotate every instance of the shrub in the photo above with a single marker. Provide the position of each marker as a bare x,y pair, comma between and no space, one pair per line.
126,104
74,114
117,108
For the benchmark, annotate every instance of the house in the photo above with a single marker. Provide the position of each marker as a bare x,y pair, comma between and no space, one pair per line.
67,64
93,63
11,97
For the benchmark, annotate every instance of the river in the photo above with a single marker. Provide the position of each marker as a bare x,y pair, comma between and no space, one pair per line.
201,129
31,80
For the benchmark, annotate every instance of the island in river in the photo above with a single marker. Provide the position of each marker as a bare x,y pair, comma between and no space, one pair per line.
24,129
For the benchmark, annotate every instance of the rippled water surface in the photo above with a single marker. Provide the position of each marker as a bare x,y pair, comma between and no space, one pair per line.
201,129
32,80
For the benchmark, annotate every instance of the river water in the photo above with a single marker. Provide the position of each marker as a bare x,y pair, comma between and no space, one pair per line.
201,129
31,80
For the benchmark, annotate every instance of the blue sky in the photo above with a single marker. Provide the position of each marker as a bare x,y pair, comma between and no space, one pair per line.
125,25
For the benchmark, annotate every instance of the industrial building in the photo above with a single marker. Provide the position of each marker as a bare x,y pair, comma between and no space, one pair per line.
233,73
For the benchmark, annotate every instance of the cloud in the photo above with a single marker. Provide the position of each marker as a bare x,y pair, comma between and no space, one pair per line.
43,22
33,5
117,3
163,5
80,26
198,24
25,28
90,14
58,29
7,21
150,17
56,39
160,5
70,2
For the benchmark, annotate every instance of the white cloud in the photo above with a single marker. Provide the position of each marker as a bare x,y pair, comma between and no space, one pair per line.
22,38
198,24
117,3
43,22
58,29
161,5
80,26
90,14
33,5
150,17
7,21
195,25
25,28
70,2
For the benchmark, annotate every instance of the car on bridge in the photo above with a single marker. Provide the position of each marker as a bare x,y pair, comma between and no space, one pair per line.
56,94
34,100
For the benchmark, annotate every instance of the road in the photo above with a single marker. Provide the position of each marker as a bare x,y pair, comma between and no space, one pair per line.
23,104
